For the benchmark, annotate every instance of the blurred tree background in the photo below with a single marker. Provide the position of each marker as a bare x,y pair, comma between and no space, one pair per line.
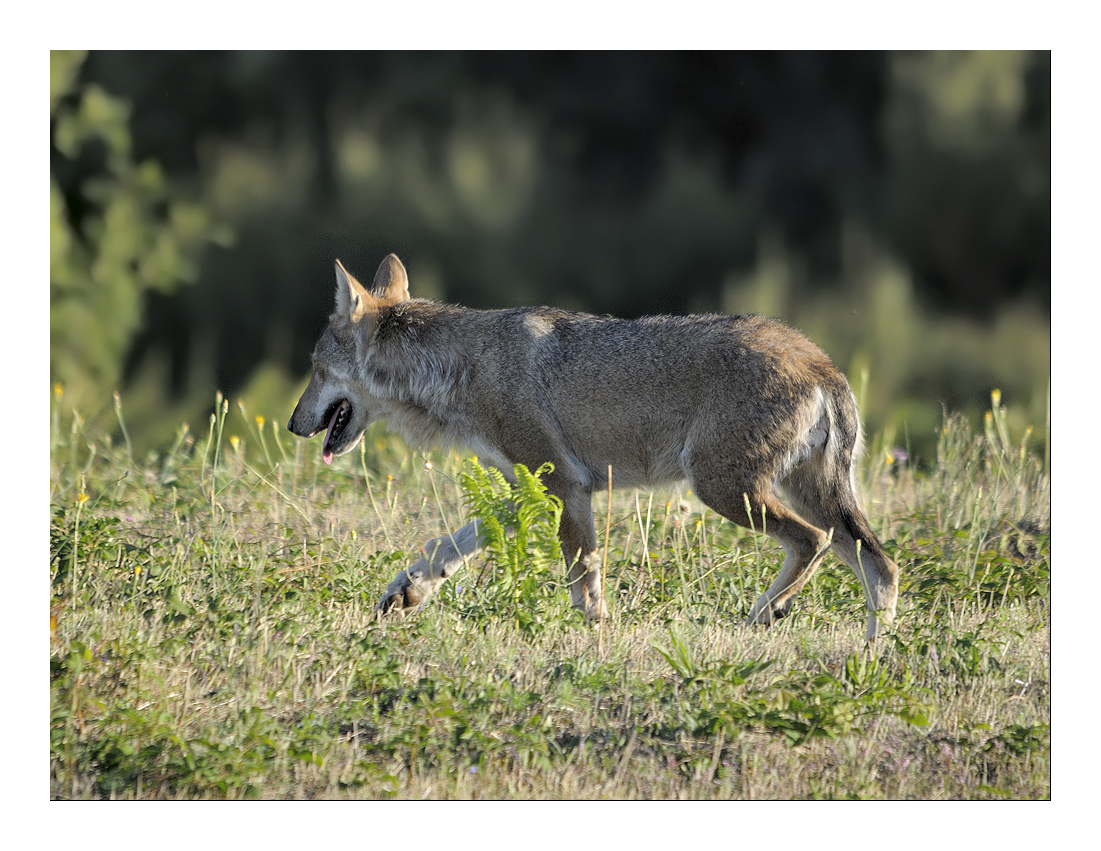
893,206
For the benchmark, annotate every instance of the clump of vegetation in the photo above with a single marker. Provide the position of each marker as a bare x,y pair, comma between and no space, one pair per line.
520,525
213,633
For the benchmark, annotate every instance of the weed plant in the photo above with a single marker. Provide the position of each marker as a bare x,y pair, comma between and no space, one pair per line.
213,633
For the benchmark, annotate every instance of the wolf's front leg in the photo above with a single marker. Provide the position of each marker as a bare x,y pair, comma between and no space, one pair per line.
441,558
578,537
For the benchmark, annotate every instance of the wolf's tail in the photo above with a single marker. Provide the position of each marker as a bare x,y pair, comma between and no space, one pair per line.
844,446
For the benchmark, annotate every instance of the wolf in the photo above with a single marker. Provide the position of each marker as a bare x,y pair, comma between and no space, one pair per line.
753,415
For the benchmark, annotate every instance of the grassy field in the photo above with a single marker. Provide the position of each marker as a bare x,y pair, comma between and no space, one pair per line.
213,634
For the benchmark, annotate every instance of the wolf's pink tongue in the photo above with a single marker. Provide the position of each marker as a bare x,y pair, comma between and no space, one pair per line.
326,452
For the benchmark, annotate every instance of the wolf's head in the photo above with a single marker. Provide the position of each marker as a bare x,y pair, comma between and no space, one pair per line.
337,399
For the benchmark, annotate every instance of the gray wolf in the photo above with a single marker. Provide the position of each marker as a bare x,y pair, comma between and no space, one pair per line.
752,414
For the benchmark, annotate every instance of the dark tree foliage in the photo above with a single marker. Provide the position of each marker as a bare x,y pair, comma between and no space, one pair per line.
794,143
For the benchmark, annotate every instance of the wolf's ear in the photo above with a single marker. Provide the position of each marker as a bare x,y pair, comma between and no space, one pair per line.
352,300
391,284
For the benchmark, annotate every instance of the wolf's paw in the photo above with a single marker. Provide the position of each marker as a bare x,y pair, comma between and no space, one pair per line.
768,614
596,612
401,596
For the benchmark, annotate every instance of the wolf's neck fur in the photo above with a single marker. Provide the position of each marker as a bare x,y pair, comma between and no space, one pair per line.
415,368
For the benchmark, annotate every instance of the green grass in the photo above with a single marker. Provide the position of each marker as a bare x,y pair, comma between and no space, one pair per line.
213,635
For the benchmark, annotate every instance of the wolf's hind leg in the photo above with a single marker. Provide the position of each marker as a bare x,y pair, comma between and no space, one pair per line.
441,558
836,507
756,506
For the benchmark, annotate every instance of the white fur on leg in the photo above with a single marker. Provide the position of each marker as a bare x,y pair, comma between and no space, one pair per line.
761,613
881,600
585,588
879,619
441,558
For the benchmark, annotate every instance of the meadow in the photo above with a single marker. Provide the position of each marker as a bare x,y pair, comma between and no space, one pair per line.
213,633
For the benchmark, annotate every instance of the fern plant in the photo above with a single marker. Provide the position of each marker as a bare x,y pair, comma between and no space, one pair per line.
519,524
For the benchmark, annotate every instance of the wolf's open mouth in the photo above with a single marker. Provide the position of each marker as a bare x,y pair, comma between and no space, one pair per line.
338,415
